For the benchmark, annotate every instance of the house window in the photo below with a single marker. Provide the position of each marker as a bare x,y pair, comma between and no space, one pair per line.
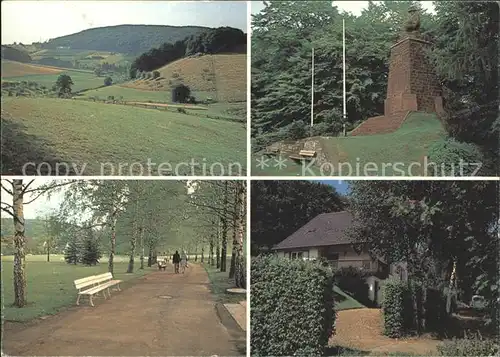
296,255
366,264
332,256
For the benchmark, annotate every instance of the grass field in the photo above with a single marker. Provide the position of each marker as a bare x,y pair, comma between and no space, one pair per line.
344,301
223,77
384,154
17,69
219,282
45,129
47,76
50,286
229,110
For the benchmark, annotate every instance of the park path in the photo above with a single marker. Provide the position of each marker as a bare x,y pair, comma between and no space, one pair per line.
137,321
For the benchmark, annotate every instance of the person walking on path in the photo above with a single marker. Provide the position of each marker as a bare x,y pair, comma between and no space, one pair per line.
176,260
183,261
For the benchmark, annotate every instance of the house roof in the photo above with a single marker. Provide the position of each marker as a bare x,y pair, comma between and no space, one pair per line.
323,230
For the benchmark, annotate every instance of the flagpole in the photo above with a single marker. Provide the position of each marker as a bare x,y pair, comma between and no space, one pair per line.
312,87
343,67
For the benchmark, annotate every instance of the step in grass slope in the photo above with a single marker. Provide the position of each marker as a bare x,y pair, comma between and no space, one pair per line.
381,124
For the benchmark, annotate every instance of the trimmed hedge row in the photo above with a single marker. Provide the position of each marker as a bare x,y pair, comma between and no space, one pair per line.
292,307
409,309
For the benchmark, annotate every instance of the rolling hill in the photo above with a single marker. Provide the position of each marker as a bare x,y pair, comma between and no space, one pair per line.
124,38
221,77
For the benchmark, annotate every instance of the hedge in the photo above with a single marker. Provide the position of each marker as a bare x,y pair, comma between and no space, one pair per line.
469,346
397,308
400,317
292,307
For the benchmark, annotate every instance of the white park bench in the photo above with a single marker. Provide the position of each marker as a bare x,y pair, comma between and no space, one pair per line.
93,285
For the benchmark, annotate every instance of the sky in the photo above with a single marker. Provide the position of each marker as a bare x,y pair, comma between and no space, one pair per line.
40,206
354,7
342,187
33,21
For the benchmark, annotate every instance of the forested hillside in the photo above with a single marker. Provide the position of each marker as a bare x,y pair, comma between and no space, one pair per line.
210,41
133,39
465,55
13,54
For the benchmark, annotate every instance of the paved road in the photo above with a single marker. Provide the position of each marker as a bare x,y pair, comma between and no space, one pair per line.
136,322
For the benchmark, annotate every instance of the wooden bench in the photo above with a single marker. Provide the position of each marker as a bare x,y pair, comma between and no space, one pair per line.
93,285
304,155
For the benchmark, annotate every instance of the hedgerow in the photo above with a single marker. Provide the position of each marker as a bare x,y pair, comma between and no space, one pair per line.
292,307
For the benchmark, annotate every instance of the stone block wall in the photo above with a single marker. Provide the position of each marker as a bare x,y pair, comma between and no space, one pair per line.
412,83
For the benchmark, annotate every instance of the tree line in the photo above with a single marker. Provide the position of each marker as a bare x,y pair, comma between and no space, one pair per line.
210,41
464,55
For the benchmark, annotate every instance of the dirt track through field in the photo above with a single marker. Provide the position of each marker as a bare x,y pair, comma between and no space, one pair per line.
135,322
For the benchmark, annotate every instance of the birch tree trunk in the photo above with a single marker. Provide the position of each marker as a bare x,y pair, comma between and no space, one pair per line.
235,235
223,261
112,242
211,252
133,240
239,277
20,297
217,245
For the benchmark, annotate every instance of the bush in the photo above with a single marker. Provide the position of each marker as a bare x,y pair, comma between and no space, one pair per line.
149,75
181,110
397,308
111,97
445,157
292,307
181,93
470,346
108,81
156,74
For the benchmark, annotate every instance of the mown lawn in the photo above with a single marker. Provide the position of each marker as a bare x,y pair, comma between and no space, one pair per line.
344,301
88,133
370,155
50,286
219,282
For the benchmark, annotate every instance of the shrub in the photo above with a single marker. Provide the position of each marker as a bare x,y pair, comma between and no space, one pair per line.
445,157
156,74
108,81
397,308
181,110
149,75
181,93
469,346
292,307
111,97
